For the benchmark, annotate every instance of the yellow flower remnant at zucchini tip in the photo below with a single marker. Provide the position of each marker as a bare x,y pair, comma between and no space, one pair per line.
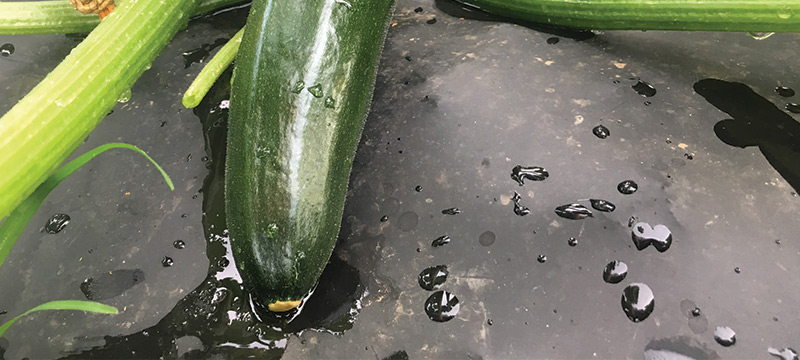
99,7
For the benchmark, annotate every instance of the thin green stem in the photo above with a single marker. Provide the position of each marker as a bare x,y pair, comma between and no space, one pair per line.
60,17
208,76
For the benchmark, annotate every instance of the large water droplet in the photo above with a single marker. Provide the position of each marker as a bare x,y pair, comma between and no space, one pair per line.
111,284
535,173
615,272
418,188
552,40
56,223
573,211
627,187
179,244
637,301
784,91
659,236
407,221
519,209
542,258
6,50
572,241
442,306
725,336
759,35
125,96
167,261
602,205
644,89
487,238
298,87
330,103
451,211
601,131
784,354
316,90
433,277
793,108
441,241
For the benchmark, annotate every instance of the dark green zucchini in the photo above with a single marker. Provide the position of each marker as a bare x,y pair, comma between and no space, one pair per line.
691,15
302,86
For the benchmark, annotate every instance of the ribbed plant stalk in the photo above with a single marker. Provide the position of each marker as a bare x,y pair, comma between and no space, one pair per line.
60,17
689,15
49,123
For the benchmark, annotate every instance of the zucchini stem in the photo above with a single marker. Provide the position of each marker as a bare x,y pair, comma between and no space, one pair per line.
684,15
60,17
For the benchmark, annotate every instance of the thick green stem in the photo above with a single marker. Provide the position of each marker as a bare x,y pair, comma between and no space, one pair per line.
60,17
208,76
690,15
49,123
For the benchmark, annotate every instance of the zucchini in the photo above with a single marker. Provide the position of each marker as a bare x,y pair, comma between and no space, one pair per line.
302,86
691,15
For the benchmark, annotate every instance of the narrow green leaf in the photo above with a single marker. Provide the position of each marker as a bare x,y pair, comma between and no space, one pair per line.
211,72
19,218
79,305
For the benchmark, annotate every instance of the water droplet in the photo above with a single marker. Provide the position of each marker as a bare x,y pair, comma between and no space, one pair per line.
487,238
431,21
535,173
793,108
316,90
6,50
572,241
615,272
489,322
519,209
56,223
272,230
451,211
433,277
179,244
601,131
384,218
627,187
737,270
724,336
696,312
125,96
553,40
223,263
418,10
407,221
111,284
659,236
418,188
758,35
167,261
784,354
442,306
632,220
644,89
573,211
441,241
637,301
602,205
298,87
330,103
784,91
541,258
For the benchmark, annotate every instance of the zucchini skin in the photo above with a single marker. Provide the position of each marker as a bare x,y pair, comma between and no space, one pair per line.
689,15
290,152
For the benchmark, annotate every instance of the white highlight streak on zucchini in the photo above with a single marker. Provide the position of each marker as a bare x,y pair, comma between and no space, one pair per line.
303,101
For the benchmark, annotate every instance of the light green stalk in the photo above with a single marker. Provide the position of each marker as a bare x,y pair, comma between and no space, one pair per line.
60,17
49,123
